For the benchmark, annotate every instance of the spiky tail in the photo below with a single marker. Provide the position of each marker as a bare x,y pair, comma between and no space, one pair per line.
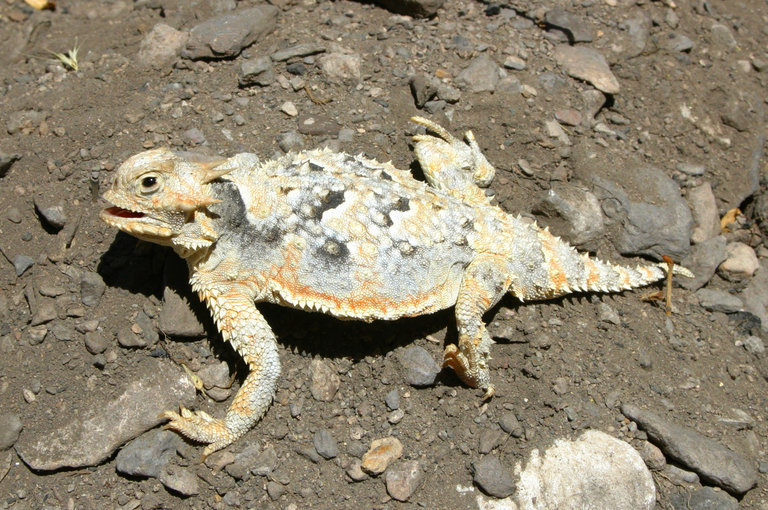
564,270
601,276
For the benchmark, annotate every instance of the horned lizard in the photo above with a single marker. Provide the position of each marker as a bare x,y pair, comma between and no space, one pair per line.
350,237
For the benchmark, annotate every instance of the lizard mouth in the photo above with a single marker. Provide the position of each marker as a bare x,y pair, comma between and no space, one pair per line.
122,213
137,224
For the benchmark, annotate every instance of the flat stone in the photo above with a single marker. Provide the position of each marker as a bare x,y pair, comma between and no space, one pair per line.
706,221
161,46
92,287
572,213
419,366
703,260
86,437
704,498
713,462
576,28
325,444
256,71
381,453
317,125
341,67
324,381
588,65
10,428
21,263
740,262
403,478
492,478
719,301
227,35
481,75
297,50
148,454
593,471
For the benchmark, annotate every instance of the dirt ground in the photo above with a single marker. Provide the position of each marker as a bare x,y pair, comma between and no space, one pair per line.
559,365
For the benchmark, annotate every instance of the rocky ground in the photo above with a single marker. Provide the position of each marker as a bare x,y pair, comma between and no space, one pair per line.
634,129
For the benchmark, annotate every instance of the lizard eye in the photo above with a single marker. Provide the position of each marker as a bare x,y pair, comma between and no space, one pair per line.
149,184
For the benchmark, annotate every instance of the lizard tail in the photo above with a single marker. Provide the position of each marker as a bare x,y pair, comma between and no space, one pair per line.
599,276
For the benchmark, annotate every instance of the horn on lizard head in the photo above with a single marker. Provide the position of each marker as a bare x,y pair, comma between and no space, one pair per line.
210,170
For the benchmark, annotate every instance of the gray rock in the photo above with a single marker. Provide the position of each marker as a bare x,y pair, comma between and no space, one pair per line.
415,8
492,478
21,263
148,454
703,259
227,35
420,368
298,50
704,498
6,160
325,444
588,65
129,339
240,468
176,317
423,87
341,67
448,93
317,125
639,29
161,46
265,462
488,441
754,344
52,216
194,136
92,287
593,102
593,471
722,37
180,480
392,399
215,375
576,28
86,437
572,213
755,296
324,381
674,42
660,225
403,478
481,75
95,342
652,456
256,71
706,220
679,476
510,424
718,301
709,459
290,141
10,428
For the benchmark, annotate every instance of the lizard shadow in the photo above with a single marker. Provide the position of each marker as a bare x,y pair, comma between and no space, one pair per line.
146,268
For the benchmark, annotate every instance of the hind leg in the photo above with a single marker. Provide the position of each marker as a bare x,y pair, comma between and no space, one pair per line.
485,281
452,165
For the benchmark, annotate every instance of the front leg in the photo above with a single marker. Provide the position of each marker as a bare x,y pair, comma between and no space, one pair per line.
246,329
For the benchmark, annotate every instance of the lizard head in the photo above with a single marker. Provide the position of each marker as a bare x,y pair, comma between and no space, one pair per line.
157,192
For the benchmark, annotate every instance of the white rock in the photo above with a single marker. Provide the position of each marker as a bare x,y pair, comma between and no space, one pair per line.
741,262
593,471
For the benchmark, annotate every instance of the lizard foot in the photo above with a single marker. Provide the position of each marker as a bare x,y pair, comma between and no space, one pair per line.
200,426
456,360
